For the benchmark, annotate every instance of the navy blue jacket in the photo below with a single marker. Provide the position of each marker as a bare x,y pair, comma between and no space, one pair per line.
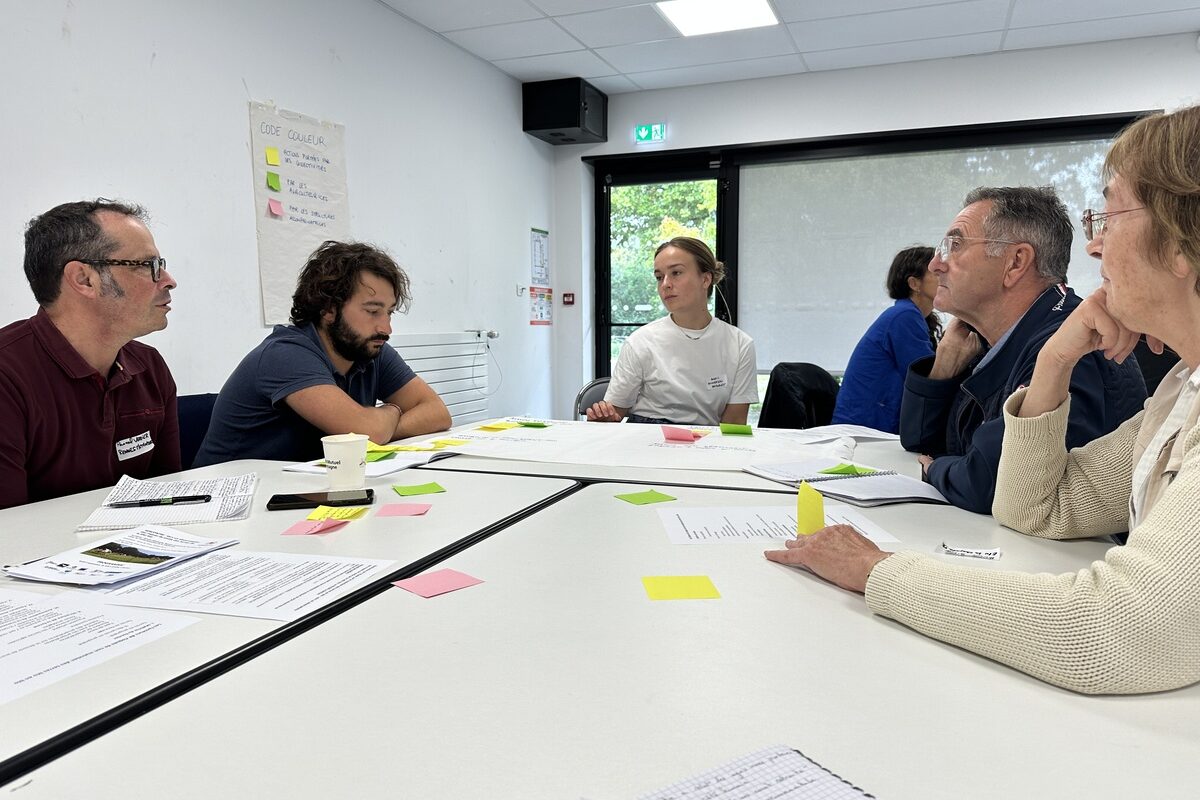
960,421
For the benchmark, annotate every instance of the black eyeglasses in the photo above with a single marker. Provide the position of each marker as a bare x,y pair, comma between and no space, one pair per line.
156,265
1096,222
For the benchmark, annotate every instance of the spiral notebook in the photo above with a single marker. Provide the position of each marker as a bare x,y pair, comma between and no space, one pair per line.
849,482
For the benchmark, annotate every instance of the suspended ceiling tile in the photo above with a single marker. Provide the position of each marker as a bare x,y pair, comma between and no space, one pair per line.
614,84
799,10
694,51
557,7
1103,30
1030,13
579,64
619,26
719,73
515,40
447,15
975,16
898,52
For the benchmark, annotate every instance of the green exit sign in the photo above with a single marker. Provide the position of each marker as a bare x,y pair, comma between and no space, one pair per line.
650,132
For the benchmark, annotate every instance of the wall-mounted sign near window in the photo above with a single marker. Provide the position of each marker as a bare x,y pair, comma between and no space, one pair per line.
650,133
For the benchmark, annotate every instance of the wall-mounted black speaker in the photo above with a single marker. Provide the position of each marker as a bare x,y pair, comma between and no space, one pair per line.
566,111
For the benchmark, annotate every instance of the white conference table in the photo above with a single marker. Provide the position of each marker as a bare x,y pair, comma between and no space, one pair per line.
559,678
470,503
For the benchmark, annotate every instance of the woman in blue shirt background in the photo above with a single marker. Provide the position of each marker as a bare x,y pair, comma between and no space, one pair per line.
874,380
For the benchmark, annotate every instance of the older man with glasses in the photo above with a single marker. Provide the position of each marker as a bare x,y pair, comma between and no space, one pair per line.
1002,271
81,403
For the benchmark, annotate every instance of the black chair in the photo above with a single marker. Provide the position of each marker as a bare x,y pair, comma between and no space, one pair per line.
592,392
799,395
195,412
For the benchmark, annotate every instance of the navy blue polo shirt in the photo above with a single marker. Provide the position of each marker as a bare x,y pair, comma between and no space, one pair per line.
251,418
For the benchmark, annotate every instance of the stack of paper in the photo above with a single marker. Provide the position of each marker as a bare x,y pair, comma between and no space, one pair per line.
231,499
853,483
122,557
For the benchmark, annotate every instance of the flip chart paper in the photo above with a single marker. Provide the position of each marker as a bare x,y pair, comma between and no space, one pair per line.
404,509
810,510
431,584
644,498
418,489
680,587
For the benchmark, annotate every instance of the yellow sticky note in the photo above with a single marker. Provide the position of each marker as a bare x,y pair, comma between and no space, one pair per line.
273,156
499,426
337,512
451,442
381,448
810,510
680,587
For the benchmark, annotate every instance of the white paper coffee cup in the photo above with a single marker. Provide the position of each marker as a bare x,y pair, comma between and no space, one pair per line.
345,460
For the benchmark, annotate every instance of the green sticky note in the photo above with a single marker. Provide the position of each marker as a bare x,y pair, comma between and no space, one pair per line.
535,424
380,455
847,469
680,587
810,510
644,498
273,180
272,154
733,429
422,488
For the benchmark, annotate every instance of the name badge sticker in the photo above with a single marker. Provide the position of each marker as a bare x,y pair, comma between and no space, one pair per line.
134,446
718,382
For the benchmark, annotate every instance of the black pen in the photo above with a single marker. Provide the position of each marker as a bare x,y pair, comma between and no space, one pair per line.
161,501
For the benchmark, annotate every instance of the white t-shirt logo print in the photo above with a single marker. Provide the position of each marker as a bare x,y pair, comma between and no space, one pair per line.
718,382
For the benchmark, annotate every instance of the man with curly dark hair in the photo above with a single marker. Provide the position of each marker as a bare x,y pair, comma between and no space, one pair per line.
326,372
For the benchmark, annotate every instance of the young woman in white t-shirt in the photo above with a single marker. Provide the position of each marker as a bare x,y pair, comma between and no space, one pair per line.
686,368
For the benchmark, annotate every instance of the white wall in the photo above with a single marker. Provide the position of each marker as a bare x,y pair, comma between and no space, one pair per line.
1130,75
146,100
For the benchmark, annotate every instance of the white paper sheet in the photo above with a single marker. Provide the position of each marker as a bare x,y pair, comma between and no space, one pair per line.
376,469
231,499
119,557
282,586
633,445
715,524
777,773
45,638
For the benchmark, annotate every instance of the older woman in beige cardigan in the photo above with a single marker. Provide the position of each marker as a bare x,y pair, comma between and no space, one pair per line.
1129,623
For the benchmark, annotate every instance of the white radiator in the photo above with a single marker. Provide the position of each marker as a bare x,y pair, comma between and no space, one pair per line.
455,365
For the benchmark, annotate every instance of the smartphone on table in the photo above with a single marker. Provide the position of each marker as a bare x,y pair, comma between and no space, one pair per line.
352,497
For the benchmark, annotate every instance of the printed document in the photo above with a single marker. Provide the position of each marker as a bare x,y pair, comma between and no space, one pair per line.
45,638
777,773
119,557
282,586
716,524
231,499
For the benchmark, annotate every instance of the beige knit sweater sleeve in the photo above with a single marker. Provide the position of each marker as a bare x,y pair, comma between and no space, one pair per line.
1043,490
1129,623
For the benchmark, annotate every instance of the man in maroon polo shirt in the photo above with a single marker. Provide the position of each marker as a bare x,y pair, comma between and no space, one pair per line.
81,403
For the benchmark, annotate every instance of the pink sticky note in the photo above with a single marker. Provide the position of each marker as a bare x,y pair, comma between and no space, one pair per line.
308,527
404,509
431,584
275,207
673,434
